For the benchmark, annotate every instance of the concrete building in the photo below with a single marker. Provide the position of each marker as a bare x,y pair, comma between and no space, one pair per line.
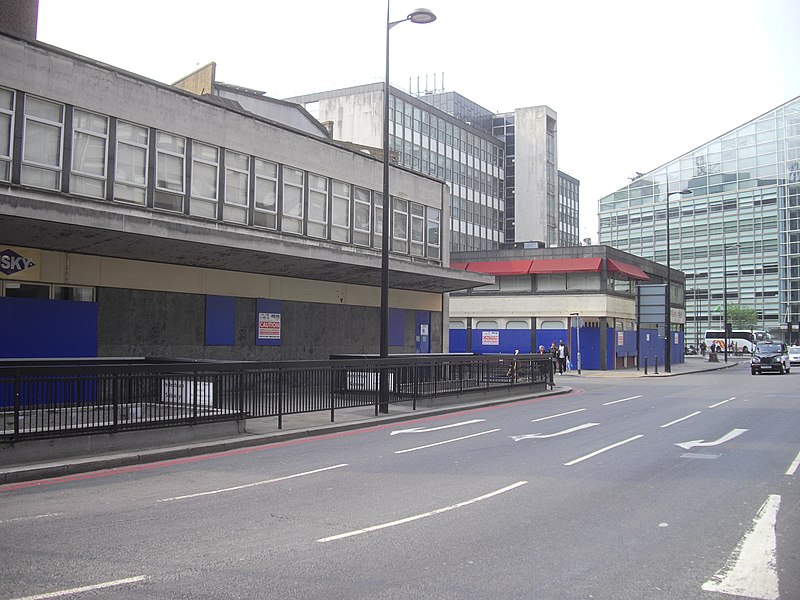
426,139
139,219
736,236
543,295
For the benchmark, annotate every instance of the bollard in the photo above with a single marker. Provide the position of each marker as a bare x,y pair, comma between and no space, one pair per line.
656,365
645,365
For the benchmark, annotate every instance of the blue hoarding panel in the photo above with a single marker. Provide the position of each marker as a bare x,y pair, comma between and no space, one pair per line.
220,321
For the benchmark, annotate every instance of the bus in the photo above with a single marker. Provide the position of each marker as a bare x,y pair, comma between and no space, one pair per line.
738,339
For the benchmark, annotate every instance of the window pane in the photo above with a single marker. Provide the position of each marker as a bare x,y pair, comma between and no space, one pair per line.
293,201
204,180
132,133
266,194
90,121
170,143
50,111
236,188
170,172
5,135
89,154
42,144
131,164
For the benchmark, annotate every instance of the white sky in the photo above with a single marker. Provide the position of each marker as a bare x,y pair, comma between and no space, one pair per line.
635,83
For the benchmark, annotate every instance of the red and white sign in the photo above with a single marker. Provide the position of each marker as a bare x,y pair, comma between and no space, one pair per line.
490,338
269,326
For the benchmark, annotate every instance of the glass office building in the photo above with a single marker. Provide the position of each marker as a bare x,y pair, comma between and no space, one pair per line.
736,236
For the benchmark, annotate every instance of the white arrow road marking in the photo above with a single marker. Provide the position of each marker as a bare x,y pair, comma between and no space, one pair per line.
725,438
541,436
427,429
750,570
86,588
423,515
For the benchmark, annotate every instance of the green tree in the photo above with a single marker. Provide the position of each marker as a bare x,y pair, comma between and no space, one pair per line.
742,317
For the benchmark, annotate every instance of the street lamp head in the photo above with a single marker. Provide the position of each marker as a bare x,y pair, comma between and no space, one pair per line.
685,192
421,16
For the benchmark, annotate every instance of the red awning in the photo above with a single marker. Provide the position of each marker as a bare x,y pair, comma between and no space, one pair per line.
459,266
566,265
506,267
617,266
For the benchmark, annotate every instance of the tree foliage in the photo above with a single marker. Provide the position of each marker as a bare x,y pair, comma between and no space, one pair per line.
742,317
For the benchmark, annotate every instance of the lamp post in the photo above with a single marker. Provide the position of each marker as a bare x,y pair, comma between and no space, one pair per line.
725,293
668,344
421,16
578,327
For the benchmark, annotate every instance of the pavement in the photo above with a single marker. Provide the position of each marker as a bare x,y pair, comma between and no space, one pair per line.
16,466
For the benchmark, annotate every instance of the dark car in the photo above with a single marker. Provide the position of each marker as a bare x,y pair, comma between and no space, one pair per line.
770,357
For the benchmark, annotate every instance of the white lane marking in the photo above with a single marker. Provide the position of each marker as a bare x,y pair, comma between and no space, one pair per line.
32,517
254,484
422,515
734,433
572,412
541,436
793,467
623,400
596,452
446,441
721,403
86,588
750,570
427,429
694,414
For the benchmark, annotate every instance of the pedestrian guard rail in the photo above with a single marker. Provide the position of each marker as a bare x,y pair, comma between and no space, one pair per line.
52,399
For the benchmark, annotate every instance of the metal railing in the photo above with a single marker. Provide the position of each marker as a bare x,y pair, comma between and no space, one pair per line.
60,399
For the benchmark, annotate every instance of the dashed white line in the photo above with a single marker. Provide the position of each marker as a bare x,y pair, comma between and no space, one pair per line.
623,400
254,484
422,515
446,441
86,588
572,412
694,414
721,403
793,467
31,518
596,452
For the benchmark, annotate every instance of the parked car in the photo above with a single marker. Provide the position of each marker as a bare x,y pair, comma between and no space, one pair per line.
770,357
794,355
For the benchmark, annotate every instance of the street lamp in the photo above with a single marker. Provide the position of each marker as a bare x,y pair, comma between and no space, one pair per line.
421,16
668,344
725,293
578,327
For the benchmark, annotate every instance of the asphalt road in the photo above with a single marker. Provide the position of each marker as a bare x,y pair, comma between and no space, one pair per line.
672,488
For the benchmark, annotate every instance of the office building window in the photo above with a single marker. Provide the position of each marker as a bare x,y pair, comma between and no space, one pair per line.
205,180
292,214
362,212
6,132
130,175
89,152
266,201
42,143
317,206
377,216
434,241
170,171
340,212
417,229
399,225
237,186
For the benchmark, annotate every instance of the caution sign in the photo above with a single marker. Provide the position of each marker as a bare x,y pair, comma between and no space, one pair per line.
269,326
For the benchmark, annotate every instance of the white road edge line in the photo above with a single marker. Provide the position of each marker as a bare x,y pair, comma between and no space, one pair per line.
596,452
423,515
86,588
793,467
572,412
249,485
694,414
446,441
721,403
750,570
623,400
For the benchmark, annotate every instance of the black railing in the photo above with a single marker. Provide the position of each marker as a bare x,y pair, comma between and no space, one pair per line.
68,398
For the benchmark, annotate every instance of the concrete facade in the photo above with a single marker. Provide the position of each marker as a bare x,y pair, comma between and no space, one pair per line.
152,269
